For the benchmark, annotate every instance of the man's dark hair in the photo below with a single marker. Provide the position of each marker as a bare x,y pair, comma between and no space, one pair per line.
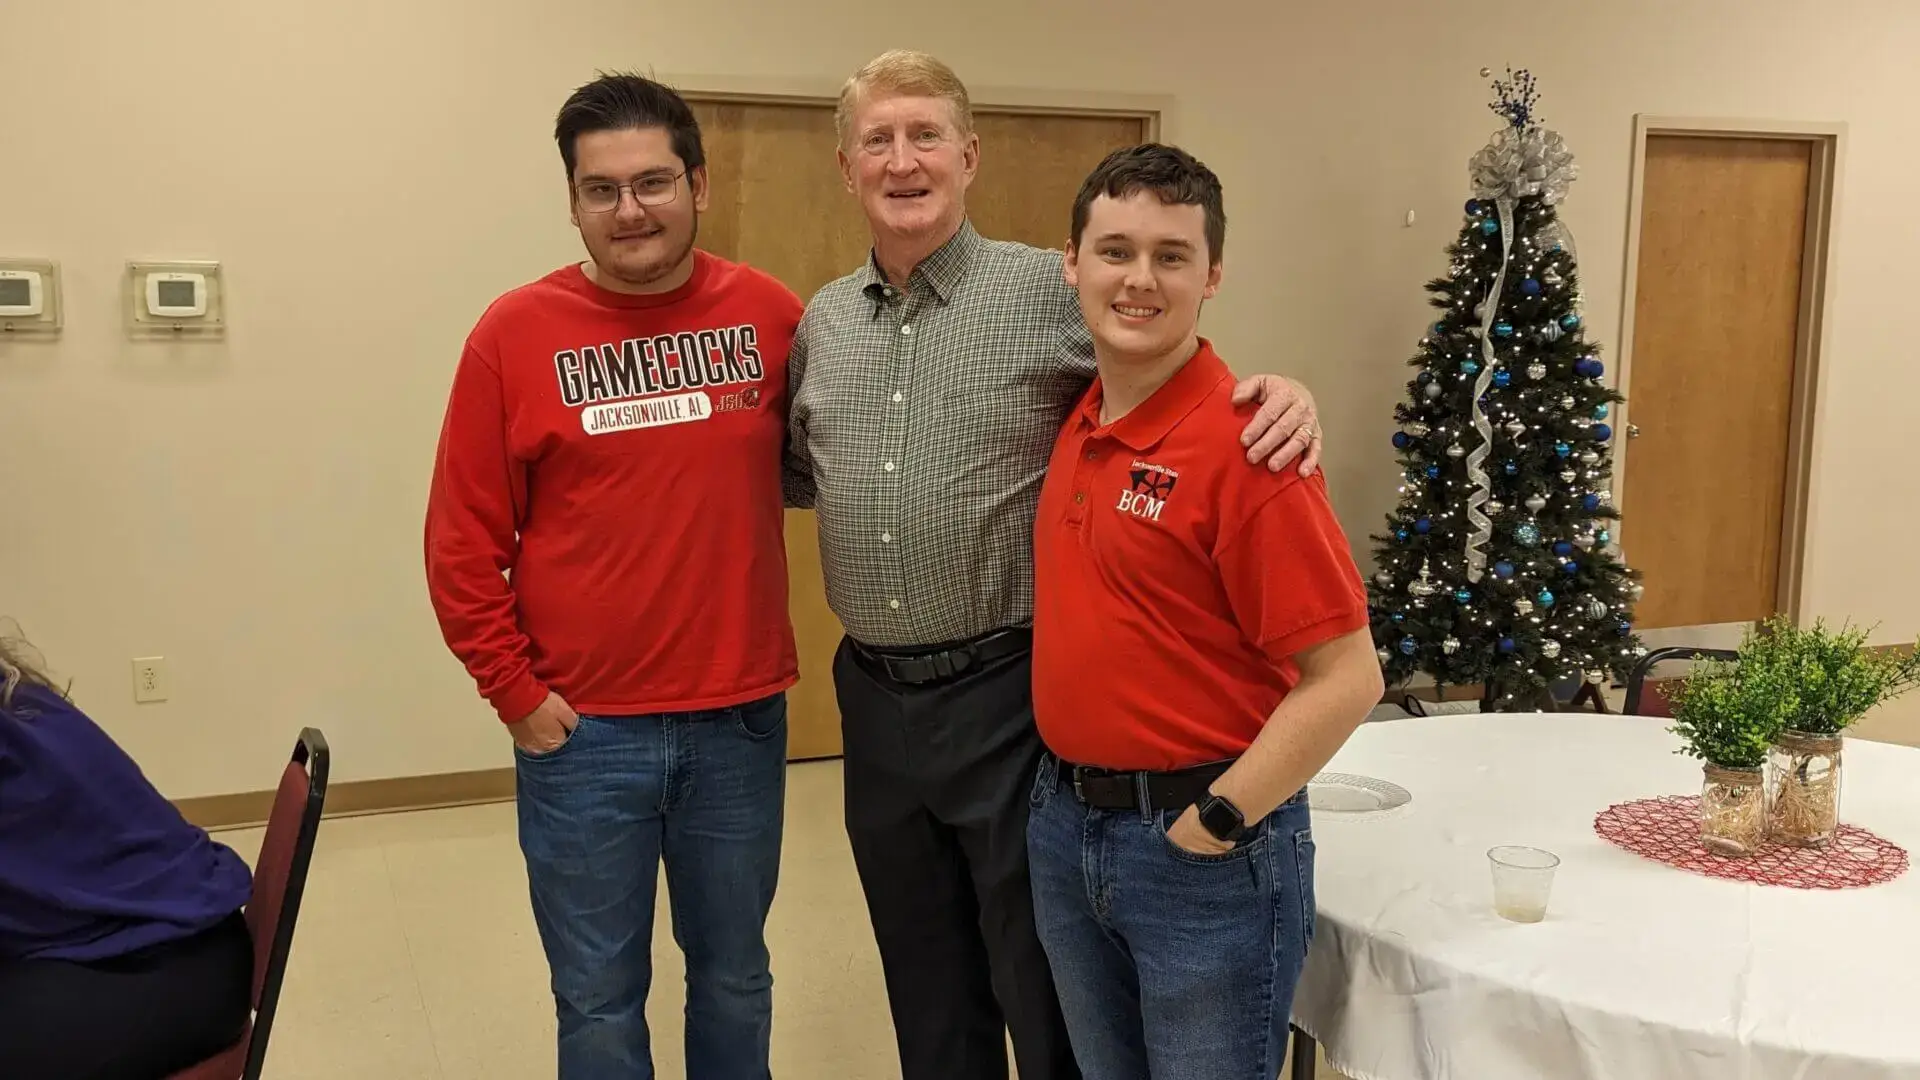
624,102
1170,173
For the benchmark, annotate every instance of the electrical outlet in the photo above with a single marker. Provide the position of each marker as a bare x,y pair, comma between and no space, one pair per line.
150,678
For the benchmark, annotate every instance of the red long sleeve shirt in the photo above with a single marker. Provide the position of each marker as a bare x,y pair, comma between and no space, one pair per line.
605,519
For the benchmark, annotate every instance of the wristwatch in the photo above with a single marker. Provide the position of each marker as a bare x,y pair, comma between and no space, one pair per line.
1222,820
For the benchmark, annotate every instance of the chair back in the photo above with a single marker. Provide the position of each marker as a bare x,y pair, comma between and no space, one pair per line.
1643,700
280,878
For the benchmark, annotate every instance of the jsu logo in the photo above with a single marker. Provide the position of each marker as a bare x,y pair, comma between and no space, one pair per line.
1148,488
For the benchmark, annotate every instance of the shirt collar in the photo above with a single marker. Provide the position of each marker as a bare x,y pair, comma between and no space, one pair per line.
943,270
1153,419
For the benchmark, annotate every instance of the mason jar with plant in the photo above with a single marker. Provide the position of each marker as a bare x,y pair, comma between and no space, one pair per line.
1838,679
1729,713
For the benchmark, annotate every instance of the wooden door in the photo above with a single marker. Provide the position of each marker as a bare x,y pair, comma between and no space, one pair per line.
778,203
1717,311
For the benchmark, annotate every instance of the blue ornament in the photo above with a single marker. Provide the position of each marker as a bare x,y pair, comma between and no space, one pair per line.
1473,207
1624,628
1570,567
1569,321
1502,377
1463,595
1433,472
1601,433
1562,449
1526,534
1469,366
1408,646
1545,599
1563,549
1399,616
1530,287
1423,526
1511,468
1438,330
1601,410
1489,226
1558,247
1502,329
1603,538
1503,569
1402,440
1591,502
1590,368
1506,644
1401,535
1424,377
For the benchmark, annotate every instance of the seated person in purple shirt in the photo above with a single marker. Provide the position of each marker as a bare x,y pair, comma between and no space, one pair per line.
122,950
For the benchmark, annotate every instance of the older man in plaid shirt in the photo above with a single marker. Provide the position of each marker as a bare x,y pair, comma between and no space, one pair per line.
927,389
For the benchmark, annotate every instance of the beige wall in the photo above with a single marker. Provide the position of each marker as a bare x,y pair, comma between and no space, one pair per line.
252,510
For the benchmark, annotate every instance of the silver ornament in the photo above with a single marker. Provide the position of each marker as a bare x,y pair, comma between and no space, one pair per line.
1588,457
1536,503
1536,370
1495,506
1596,609
1455,450
1639,652
1549,648
1450,645
1516,428
1583,541
1433,390
1384,655
1383,579
1552,277
1424,586
1486,73
1523,605
1606,497
1552,332
1567,475
1566,401
1417,429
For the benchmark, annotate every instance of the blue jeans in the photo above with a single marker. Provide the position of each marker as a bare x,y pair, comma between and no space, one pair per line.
705,792
1170,965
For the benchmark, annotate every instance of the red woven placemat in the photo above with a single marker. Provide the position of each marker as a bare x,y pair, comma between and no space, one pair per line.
1667,830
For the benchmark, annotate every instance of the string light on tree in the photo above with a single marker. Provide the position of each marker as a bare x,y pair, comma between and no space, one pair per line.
1496,568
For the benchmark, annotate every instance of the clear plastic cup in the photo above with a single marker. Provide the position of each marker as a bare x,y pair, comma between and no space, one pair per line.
1522,881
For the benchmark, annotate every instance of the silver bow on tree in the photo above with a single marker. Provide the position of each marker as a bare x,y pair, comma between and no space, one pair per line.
1523,163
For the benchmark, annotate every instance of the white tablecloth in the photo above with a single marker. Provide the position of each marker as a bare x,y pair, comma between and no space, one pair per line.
1640,971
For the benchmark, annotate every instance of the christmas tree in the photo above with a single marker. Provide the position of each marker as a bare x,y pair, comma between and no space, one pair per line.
1498,567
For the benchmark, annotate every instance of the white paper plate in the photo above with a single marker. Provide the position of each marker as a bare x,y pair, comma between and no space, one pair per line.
1345,793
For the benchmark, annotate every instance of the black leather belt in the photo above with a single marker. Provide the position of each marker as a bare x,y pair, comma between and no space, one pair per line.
1112,789
918,667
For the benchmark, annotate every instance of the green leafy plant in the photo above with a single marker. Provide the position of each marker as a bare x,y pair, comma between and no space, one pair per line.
1837,678
1730,712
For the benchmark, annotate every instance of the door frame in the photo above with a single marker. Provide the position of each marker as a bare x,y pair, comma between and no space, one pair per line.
1828,151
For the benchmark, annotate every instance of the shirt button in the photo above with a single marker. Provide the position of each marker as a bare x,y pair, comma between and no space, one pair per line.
894,604
897,397
889,466
1079,497
888,290
907,330
1091,454
886,538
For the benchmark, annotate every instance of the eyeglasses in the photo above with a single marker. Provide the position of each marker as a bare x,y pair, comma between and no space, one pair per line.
653,189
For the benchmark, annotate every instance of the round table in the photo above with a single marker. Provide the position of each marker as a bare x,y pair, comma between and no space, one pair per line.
1640,971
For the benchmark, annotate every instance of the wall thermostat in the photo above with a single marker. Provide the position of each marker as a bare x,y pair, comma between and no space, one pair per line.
29,296
22,293
175,299
174,294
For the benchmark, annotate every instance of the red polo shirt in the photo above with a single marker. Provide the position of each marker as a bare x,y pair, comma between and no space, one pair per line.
1173,581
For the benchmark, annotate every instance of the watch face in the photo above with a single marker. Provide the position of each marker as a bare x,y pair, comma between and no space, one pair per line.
1221,818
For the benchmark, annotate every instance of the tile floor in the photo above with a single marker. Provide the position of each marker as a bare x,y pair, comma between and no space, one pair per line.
416,956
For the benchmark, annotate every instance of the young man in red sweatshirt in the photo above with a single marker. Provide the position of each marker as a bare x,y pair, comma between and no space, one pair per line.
604,555
1200,651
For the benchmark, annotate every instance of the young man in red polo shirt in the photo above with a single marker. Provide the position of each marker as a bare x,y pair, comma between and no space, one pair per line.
604,553
1200,651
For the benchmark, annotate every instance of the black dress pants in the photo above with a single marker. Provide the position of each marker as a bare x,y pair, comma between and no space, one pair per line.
938,778
142,1016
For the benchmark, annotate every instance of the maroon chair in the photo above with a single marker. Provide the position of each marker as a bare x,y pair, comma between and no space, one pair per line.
279,879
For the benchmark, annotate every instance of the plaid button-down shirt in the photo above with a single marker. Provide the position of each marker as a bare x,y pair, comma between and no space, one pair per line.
922,420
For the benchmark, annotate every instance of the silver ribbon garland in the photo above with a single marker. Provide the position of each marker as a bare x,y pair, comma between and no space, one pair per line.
1479,525
1517,163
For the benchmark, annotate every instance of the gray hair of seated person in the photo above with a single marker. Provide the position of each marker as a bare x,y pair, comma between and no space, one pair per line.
20,663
